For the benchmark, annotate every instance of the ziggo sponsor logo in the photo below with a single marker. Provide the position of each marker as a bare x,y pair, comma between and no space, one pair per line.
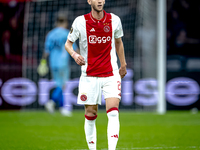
93,39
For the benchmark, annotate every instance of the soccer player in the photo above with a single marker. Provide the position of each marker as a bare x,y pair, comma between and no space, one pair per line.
99,36
59,63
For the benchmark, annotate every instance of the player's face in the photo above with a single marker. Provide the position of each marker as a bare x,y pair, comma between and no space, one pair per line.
97,5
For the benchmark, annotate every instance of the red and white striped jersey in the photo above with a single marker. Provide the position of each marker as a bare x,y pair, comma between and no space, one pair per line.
97,43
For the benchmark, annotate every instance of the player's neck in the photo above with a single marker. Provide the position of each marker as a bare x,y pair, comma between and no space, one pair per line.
97,15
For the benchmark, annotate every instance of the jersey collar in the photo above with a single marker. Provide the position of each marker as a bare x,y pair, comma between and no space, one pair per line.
101,20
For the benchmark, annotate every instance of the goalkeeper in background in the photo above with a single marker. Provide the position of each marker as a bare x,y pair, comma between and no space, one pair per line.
59,62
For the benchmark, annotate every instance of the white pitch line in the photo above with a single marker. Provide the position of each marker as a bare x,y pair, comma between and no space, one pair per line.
144,148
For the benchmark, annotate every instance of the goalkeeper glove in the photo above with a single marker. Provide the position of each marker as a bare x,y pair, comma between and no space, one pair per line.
43,68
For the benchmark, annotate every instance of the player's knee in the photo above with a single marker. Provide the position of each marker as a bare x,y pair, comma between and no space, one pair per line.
91,110
113,112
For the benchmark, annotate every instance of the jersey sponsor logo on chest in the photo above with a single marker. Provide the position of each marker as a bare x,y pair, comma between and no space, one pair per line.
93,39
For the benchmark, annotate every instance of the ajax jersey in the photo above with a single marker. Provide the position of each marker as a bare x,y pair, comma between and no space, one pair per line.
97,43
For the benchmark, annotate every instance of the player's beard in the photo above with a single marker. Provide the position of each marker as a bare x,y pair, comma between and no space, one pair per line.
96,9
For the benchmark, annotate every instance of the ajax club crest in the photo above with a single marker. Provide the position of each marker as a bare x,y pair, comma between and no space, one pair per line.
106,28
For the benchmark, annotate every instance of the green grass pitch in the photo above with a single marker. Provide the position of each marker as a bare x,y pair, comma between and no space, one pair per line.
38,130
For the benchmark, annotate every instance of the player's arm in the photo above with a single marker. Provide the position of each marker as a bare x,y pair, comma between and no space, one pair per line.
45,55
120,52
78,58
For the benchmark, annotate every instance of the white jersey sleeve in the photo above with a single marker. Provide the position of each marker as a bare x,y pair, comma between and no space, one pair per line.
74,31
118,31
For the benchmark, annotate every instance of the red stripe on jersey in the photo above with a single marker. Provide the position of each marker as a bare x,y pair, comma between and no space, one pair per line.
99,40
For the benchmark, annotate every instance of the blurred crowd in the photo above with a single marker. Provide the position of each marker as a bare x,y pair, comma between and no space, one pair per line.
183,27
11,32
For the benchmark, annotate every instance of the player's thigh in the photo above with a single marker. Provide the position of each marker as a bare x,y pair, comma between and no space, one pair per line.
56,76
54,73
112,91
64,75
112,102
112,87
89,91
60,75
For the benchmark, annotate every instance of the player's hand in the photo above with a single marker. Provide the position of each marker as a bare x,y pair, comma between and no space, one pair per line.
78,59
122,71
43,68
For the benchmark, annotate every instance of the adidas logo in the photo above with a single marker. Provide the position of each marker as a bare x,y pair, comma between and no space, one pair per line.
91,142
115,136
92,30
